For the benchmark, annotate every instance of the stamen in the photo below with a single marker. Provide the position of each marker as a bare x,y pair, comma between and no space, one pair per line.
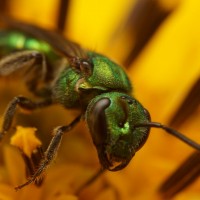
31,150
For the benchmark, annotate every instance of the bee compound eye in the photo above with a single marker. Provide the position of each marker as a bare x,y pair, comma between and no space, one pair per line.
97,120
86,67
147,114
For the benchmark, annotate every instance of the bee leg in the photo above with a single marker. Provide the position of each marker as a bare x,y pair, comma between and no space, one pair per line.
22,102
51,151
33,66
91,180
19,60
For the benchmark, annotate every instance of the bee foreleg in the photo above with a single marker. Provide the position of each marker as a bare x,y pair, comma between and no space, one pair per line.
51,151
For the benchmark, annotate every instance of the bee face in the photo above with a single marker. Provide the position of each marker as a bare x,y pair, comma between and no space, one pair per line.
111,118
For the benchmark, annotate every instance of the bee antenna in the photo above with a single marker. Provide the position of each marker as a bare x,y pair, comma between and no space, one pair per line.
171,131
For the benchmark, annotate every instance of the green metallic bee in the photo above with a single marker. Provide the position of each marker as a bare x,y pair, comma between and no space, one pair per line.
61,72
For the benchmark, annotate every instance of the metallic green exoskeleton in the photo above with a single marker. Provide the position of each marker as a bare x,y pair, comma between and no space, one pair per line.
60,71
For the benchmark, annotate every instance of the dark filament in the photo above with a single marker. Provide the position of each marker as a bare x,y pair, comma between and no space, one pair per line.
188,106
62,14
183,176
32,164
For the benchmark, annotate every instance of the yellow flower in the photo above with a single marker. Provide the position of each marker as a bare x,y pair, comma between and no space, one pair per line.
162,74
25,140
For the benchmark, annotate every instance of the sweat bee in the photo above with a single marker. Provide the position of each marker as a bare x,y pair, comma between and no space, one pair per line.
59,71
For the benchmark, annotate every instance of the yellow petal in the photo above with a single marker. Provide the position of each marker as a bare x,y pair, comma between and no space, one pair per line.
64,197
14,166
6,192
108,193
